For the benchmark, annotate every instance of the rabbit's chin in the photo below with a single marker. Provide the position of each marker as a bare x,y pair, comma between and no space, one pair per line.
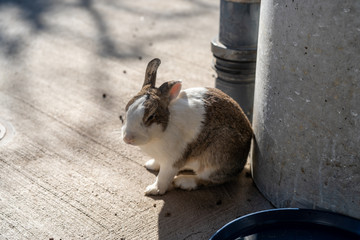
137,141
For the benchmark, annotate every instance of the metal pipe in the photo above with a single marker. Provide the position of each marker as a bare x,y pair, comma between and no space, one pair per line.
235,50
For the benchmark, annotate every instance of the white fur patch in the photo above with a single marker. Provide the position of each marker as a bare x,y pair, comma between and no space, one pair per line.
133,126
152,165
187,113
185,182
205,174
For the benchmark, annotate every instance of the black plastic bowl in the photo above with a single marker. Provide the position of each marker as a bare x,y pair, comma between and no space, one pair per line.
290,223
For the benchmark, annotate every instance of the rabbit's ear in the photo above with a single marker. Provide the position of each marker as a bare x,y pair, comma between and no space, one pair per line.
150,74
170,90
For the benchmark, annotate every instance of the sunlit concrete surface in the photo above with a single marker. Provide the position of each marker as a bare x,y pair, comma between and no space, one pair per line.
67,70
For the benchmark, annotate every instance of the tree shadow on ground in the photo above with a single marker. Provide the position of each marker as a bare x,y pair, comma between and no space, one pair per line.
31,13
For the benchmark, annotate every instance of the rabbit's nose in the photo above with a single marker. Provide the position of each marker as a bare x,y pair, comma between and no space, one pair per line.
129,139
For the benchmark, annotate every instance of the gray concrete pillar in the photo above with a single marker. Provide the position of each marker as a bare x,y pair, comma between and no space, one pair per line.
307,105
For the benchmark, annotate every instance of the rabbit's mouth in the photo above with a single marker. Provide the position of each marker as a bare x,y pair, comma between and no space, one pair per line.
134,139
129,139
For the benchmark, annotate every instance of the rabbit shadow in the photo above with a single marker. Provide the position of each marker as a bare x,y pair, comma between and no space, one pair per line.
199,214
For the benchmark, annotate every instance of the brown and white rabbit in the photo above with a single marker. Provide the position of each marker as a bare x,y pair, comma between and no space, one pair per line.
199,129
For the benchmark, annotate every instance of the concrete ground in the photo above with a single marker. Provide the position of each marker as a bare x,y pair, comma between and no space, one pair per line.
67,69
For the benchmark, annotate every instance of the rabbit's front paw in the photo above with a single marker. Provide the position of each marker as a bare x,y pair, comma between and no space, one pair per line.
152,165
153,189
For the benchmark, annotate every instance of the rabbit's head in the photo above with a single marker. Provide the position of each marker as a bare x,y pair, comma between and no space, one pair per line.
147,113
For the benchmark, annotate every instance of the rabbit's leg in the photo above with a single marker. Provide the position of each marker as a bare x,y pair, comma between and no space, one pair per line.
152,165
186,182
193,181
163,181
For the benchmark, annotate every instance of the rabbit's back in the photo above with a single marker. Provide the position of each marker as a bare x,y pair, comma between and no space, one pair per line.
224,138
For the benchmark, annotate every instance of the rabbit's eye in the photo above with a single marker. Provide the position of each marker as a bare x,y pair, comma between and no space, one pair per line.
150,118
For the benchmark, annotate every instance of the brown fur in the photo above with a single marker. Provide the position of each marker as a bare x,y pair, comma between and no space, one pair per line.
157,100
156,103
150,74
224,142
142,92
